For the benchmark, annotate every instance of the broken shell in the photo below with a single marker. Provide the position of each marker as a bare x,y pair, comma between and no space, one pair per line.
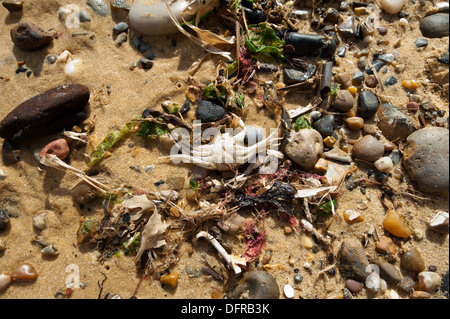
394,224
24,271
170,280
39,221
73,67
439,223
5,281
49,251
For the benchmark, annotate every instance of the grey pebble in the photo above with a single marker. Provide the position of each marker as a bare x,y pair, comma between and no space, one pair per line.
257,284
367,105
435,26
344,101
388,271
393,123
391,81
325,126
120,28
99,7
420,43
84,16
209,112
292,76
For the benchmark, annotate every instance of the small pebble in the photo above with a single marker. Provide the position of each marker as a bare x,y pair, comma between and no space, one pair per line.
5,281
99,7
392,6
353,285
209,112
298,278
288,291
371,81
385,245
84,16
145,64
119,28
24,271
435,25
354,123
394,224
384,164
428,281
344,101
39,221
440,223
368,149
388,271
412,261
420,295
325,126
59,147
391,81
4,219
420,43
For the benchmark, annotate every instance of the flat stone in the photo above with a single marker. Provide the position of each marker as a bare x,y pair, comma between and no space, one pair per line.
426,158
368,149
99,7
367,104
209,112
30,37
393,123
388,271
344,101
304,148
435,26
293,76
325,126
46,113
353,263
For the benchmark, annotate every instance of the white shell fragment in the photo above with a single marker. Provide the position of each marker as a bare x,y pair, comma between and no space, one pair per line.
288,291
440,223
151,17
73,67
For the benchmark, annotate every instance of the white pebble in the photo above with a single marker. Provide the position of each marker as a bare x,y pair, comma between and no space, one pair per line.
391,294
288,291
39,221
2,175
64,57
384,164
403,22
428,281
392,6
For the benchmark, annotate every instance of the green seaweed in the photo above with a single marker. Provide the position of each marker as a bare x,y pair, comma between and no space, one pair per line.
326,209
302,122
264,44
151,128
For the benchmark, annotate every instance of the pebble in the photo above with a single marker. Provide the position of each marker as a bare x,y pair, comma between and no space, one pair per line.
119,5
84,16
367,104
288,291
426,158
371,81
392,6
428,281
407,284
83,193
154,19
420,295
344,101
388,271
209,112
435,25
59,147
298,278
353,285
352,216
121,39
384,164
39,221
257,284
393,123
354,123
4,219
2,245
391,81
385,245
440,223
5,281
24,271
119,28
46,113
412,260
99,7
325,126
310,45
368,148
170,280
145,64
293,76
445,284
394,224
420,43
304,148
352,260
30,37
337,154
13,5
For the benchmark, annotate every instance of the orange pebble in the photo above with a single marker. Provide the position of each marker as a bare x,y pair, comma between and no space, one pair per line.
410,84
24,271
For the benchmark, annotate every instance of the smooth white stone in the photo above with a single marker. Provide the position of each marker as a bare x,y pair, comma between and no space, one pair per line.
392,6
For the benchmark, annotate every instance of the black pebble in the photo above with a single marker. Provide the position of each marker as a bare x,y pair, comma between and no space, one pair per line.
325,126
367,104
209,112
4,219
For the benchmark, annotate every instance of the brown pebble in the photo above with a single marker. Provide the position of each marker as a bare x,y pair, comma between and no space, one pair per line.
412,106
368,149
287,230
385,245
371,81
59,147
382,30
412,260
353,285
354,123
170,280
30,37
420,295
24,271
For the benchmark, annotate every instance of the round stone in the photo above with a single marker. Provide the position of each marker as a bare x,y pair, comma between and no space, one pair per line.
367,104
344,101
428,281
426,158
368,149
59,147
353,285
392,6
435,25
304,148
